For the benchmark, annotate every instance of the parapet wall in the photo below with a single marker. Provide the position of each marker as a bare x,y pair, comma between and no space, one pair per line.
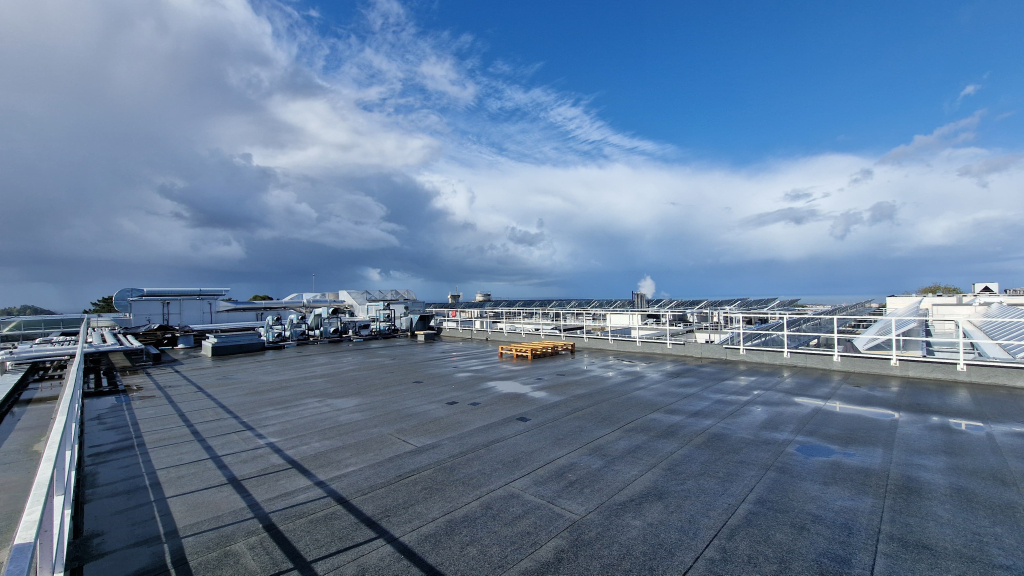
1002,376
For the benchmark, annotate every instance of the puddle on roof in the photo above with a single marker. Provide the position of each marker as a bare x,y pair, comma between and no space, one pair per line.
968,425
515,387
844,408
821,451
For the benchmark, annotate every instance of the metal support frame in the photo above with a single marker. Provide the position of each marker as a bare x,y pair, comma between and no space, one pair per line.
667,318
742,349
729,320
785,336
960,342
895,361
42,536
835,339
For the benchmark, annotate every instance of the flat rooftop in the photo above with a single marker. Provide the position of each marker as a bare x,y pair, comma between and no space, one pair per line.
398,457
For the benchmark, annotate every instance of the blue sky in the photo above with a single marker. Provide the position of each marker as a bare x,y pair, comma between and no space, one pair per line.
530,149
742,81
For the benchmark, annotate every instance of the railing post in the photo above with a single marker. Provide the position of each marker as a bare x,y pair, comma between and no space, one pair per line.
785,336
835,339
960,339
742,349
44,542
668,329
504,322
561,323
637,328
608,325
895,361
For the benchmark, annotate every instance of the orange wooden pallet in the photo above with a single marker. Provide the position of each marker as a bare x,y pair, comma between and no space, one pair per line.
540,349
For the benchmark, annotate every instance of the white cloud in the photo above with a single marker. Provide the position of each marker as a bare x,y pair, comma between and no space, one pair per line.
217,138
969,90
985,168
946,136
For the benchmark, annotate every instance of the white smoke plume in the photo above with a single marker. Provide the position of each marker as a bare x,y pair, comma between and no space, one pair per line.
646,285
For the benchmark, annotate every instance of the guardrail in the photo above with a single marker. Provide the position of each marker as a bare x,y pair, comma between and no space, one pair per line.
959,341
791,330
40,544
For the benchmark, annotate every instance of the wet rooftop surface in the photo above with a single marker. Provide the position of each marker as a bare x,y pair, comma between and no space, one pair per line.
398,457
23,432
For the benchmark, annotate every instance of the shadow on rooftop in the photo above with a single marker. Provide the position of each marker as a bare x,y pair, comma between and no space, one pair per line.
301,564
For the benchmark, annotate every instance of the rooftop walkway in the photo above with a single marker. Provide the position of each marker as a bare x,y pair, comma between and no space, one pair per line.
398,457
22,435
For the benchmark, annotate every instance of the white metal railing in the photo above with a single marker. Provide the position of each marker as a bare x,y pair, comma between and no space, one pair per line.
669,328
41,541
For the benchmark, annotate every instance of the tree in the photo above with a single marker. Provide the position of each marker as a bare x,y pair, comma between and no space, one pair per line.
936,289
104,305
26,310
260,298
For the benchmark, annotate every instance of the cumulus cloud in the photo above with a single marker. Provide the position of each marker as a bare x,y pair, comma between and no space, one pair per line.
796,216
862,175
983,169
525,237
798,195
238,143
844,223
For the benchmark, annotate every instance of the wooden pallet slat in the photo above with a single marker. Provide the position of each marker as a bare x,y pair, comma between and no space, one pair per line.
537,349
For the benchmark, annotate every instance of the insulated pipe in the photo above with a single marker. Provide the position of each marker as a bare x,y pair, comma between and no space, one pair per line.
178,292
57,352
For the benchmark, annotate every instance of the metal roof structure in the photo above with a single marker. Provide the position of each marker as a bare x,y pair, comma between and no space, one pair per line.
659,304
904,319
792,332
996,330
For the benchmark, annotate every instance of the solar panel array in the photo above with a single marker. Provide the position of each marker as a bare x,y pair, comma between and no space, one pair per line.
661,304
794,333
997,330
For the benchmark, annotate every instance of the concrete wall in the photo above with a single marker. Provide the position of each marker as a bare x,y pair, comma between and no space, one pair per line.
908,368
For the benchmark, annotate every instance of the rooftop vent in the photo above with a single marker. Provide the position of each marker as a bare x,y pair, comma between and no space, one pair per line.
985,288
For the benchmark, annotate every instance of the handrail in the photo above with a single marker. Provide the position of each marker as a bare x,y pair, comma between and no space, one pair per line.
41,541
542,320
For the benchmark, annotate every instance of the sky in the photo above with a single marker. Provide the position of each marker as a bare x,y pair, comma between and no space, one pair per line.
829,151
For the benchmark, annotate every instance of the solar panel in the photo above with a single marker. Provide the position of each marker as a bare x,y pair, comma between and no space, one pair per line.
997,330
